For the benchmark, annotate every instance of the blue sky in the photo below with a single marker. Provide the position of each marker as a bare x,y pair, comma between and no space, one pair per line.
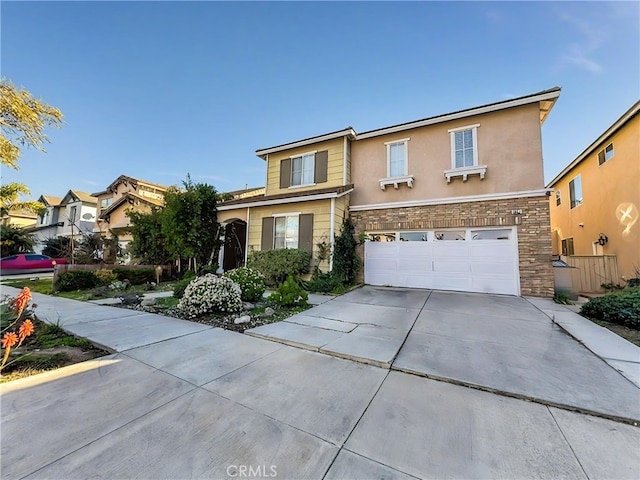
157,90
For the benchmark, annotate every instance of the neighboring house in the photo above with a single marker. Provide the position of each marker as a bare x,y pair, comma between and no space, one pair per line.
47,224
453,202
70,216
20,218
124,194
77,214
595,201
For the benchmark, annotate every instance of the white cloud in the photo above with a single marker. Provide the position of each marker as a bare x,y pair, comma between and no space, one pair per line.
589,36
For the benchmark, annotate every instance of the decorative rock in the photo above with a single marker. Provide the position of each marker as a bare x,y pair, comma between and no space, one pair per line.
268,312
147,302
248,305
242,319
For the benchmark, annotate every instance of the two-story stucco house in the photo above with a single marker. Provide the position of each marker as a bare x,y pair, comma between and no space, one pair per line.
72,215
595,201
453,202
123,194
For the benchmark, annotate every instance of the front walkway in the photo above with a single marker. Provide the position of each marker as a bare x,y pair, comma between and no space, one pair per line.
194,401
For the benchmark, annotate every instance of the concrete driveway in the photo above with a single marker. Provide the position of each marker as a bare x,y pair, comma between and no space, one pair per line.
194,401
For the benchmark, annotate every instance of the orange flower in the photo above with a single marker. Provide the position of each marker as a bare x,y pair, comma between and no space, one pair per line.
25,329
22,300
9,340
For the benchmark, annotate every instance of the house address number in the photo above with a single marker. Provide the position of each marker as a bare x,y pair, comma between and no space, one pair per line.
516,212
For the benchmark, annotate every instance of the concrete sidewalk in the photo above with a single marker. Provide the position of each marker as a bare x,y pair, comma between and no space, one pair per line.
203,402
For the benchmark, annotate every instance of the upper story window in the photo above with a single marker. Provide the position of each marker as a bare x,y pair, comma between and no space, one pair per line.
575,191
44,220
73,212
605,154
105,202
464,146
558,198
464,153
301,170
397,162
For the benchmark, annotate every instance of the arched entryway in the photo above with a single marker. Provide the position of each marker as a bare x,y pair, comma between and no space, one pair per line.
235,241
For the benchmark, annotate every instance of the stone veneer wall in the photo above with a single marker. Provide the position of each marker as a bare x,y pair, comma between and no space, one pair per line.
533,225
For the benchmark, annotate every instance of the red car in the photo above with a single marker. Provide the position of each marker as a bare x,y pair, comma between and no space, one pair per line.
28,263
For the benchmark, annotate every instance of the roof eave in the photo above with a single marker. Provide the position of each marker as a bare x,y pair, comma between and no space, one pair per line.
546,97
347,132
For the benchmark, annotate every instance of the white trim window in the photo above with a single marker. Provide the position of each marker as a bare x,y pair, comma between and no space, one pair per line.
605,154
464,154
558,198
397,158
575,191
464,146
302,169
285,231
397,164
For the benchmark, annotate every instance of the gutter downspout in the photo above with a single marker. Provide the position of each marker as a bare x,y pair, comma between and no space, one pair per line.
332,231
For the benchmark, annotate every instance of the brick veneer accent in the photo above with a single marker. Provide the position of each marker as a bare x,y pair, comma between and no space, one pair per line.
533,225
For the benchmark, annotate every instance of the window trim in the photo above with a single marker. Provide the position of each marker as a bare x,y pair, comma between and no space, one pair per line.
464,172
285,216
398,179
558,198
388,145
602,154
474,138
564,247
573,201
301,156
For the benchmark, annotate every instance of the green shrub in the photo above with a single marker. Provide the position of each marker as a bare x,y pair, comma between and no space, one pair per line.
136,276
210,294
77,280
208,269
181,285
106,276
251,283
562,299
622,307
324,283
277,265
346,263
290,294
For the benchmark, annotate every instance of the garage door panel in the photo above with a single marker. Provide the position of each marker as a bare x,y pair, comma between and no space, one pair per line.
480,268
494,285
466,265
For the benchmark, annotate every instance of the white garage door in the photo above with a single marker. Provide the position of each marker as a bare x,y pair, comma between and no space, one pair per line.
469,260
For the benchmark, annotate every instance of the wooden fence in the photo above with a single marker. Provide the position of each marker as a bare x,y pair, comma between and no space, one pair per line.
591,271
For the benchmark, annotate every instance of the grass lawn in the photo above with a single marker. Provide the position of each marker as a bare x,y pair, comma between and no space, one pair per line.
43,285
48,348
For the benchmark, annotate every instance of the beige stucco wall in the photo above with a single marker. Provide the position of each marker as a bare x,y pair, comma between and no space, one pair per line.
335,166
607,190
509,143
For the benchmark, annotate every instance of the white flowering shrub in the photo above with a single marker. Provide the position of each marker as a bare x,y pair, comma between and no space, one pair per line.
210,294
251,283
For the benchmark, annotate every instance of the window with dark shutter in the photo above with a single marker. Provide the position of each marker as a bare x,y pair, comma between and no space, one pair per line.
305,232
322,161
285,173
267,234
